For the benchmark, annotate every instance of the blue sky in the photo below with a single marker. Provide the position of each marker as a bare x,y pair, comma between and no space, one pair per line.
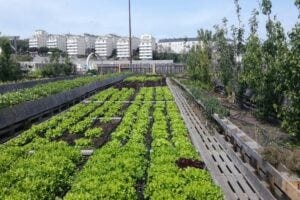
162,18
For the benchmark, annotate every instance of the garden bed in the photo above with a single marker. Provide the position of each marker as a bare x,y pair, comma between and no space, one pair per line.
137,149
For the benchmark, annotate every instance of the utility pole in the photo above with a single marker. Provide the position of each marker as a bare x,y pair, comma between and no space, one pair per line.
130,42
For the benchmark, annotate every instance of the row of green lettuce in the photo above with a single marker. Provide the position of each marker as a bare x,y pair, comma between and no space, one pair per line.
79,119
115,170
35,166
141,78
44,90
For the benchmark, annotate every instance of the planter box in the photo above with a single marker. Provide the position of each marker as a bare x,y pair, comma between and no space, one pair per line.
28,84
20,113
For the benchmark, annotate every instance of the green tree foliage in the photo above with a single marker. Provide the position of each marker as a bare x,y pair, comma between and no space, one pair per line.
266,7
199,59
177,58
43,51
270,68
56,67
290,112
23,46
275,49
225,57
251,76
9,69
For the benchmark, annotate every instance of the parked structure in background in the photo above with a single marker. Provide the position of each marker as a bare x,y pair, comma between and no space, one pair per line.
58,42
123,47
76,45
105,45
177,45
146,47
39,39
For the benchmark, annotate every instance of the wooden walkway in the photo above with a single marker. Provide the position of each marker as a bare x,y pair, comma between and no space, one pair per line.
235,177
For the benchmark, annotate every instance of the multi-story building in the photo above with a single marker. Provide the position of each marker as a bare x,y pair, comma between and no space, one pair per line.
76,45
177,45
105,45
123,46
58,42
146,47
39,39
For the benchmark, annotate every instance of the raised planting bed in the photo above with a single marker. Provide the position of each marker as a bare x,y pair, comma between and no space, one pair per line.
44,90
9,87
74,123
11,119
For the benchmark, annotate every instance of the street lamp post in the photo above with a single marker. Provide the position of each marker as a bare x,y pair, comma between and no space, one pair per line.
130,42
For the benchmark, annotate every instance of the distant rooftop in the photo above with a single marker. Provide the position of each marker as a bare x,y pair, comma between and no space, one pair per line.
178,40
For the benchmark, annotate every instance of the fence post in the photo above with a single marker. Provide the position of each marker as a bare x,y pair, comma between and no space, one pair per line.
153,68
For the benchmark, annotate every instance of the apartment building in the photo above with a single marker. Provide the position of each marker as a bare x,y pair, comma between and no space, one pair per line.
146,47
76,45
123,46
105,45
58,42
39,39
177,45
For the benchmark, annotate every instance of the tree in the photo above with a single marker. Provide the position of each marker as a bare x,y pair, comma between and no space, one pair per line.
33,49
225,57
251,76
113,54
43,51
135,54
290,111
23,46
9,69
199,60
56,67
270,97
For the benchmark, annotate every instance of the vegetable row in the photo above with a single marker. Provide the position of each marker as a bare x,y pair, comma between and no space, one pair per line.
113,171
143,79
170,143
79,119
35,167
44,90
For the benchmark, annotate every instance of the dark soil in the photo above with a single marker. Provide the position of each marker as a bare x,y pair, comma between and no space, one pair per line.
82,162
185,162
70,138
107,128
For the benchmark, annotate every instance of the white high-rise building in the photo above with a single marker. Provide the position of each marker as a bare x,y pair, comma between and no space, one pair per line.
123,46
58,42
76,45
105,45
177,45
147,46
39,39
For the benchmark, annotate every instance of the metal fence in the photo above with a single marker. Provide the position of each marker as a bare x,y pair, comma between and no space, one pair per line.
162,69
